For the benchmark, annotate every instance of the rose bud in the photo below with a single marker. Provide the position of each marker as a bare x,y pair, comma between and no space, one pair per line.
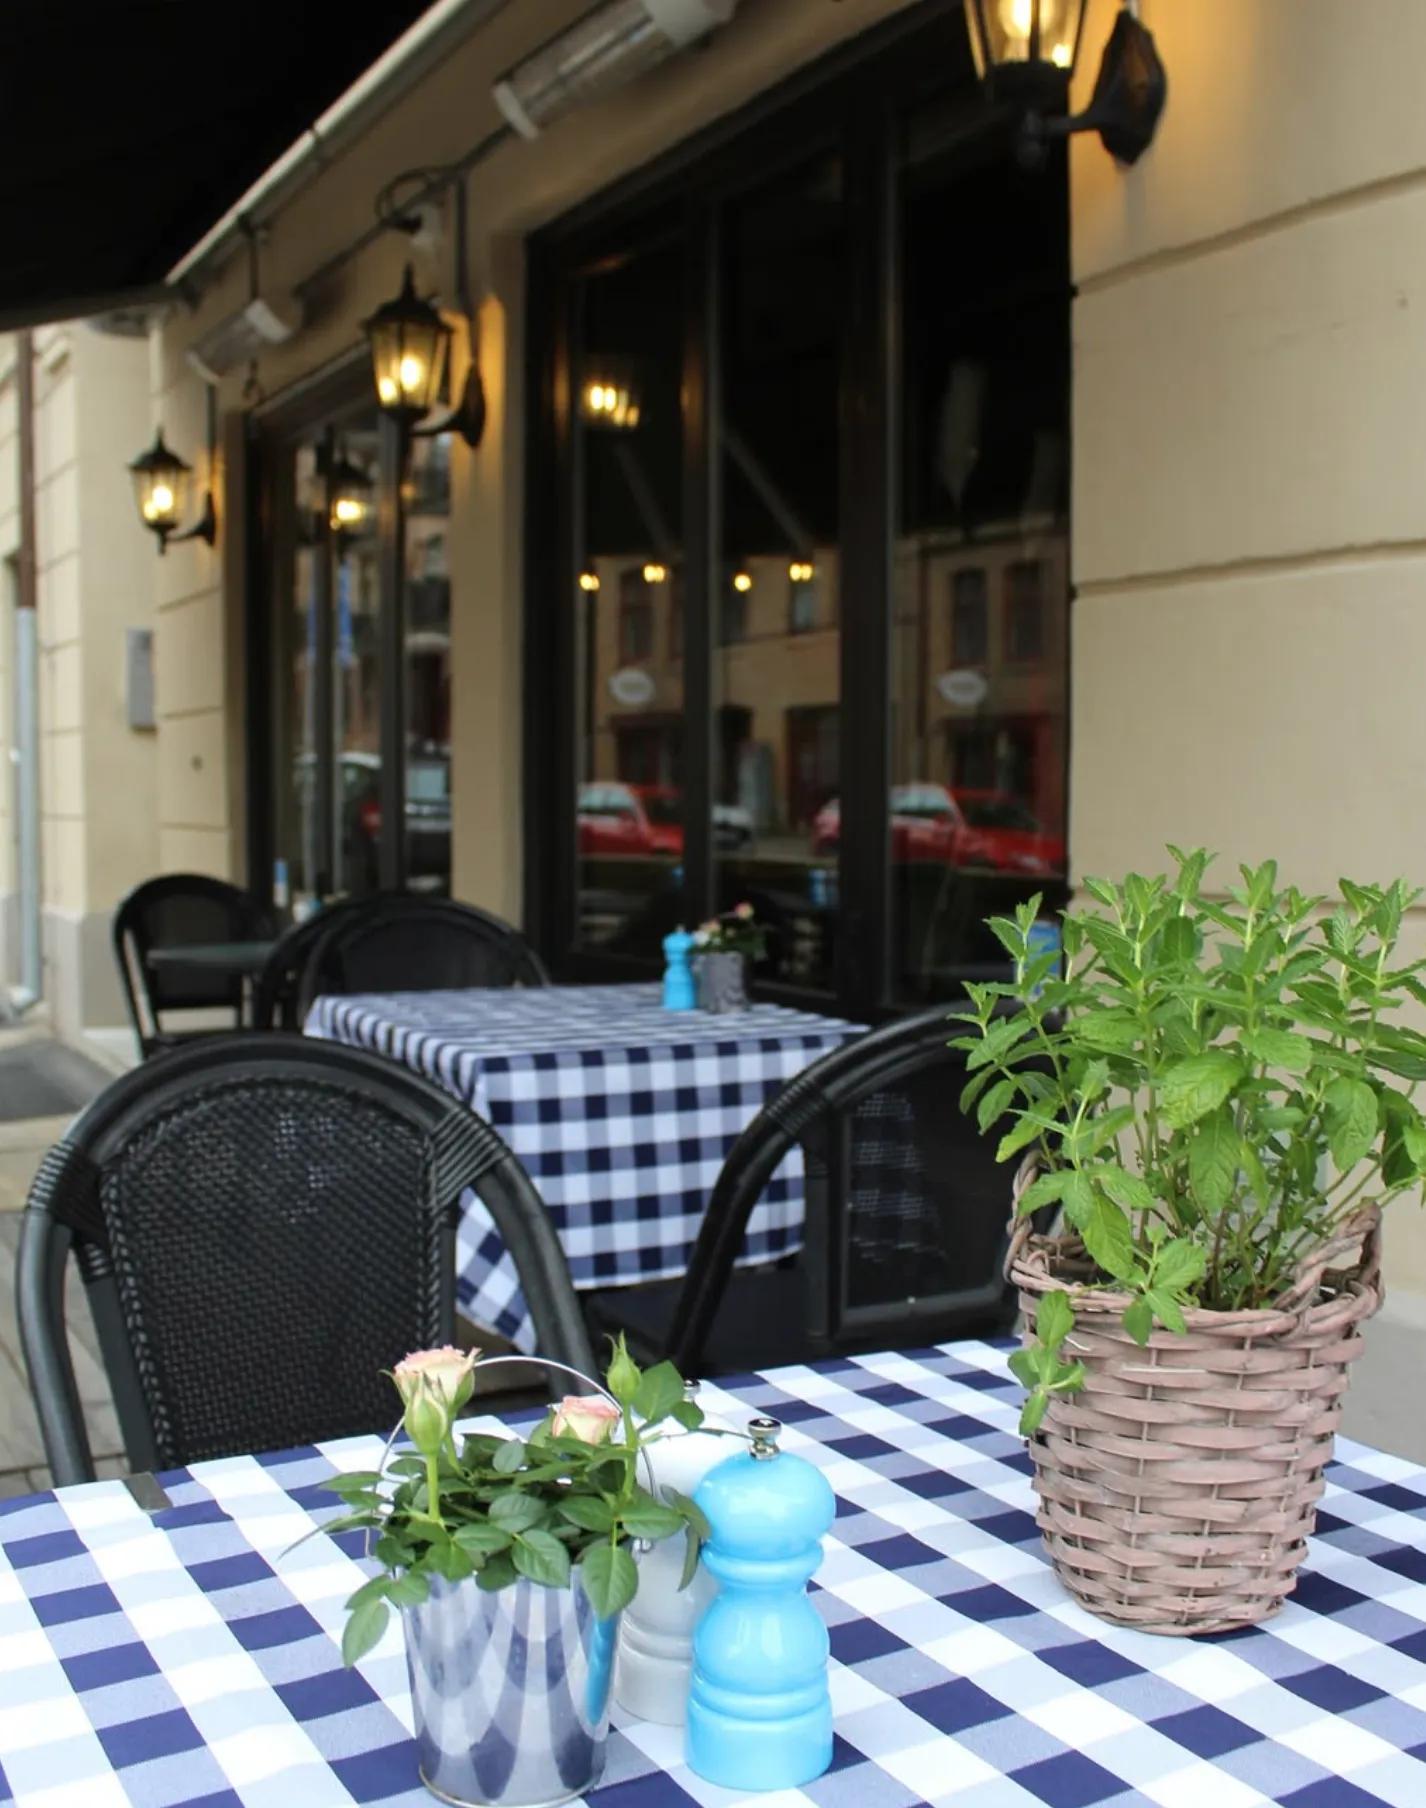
745,911
447,1373
586,1417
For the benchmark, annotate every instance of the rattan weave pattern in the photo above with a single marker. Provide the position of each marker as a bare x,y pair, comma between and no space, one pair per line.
291,1204
1178,1487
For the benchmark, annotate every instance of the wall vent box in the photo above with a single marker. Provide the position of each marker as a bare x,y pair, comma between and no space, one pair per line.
138,677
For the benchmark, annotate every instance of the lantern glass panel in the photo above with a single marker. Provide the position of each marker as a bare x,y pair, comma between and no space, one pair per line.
1021,31
161,492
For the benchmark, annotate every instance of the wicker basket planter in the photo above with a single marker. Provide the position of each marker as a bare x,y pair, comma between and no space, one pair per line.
1178,1487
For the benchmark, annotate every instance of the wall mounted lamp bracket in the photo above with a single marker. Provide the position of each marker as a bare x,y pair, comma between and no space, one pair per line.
1128,99
205,528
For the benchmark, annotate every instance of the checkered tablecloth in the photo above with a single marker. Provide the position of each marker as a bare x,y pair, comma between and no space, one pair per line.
189,1659
622,1112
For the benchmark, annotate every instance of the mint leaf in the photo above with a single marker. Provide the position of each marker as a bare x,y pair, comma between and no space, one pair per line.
1351,1121
1213,1162
1054,1319
1191,1089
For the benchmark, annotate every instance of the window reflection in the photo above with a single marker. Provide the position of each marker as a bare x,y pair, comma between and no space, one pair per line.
629,795
427,825
980,609
777,673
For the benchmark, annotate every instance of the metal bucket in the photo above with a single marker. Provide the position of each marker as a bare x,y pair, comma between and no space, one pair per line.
510,1692
722,982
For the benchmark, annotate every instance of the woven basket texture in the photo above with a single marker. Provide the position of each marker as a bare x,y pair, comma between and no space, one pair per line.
1178,1488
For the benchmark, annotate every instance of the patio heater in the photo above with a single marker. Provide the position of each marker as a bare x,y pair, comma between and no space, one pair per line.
600,52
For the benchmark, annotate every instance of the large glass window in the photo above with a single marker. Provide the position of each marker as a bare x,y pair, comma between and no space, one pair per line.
328,692
628,438
799,576
361,679
777,676
979,698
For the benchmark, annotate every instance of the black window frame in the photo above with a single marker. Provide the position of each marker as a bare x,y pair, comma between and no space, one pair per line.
853,102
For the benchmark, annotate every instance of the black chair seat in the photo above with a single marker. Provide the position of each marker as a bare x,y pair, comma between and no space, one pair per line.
181,910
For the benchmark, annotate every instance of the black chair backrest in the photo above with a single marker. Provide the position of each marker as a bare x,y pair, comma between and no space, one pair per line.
414,944
265,1223
276,994
179,910
906,1206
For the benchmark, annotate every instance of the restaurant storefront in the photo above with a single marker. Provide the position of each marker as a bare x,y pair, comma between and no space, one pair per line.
803,634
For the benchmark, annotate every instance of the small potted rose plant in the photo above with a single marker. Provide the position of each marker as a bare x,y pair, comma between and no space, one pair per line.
511,1558
723,947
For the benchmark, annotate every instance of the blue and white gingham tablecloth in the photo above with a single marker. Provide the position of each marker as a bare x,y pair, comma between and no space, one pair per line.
190,1659
621,1112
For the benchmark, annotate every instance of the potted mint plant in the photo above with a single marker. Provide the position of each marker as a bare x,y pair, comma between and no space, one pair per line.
511,1559
1215,1098
723,947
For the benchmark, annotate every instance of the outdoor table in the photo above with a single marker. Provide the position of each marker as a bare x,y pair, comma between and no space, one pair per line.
621,1112
238,960
191,1656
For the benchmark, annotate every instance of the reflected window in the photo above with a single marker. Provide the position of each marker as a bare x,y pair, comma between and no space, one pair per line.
629,787
970,617
801,605
636,617
1024,611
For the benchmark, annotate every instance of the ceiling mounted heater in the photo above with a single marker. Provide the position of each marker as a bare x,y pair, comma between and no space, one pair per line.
599,53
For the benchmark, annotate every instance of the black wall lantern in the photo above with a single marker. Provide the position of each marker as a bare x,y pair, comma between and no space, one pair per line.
1025,51
408,341
162,481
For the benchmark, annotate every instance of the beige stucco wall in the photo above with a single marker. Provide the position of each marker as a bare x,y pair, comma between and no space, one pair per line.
93,580
1249,531
520,187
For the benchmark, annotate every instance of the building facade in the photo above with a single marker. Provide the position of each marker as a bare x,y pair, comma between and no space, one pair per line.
816,647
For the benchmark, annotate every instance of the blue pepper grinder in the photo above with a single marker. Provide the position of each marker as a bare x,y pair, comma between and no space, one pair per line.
759,1709
678,989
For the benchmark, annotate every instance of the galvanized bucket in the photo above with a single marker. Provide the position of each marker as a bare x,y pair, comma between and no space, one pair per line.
722,982
510,1692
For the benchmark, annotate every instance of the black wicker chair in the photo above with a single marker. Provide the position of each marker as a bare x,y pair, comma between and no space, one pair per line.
412,944
276,995
263,1224
177,910
906,1216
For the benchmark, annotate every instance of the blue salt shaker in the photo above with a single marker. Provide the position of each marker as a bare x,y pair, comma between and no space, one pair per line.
678,989
759,1709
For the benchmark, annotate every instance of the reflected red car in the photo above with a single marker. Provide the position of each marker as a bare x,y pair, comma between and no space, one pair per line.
957,827
615,818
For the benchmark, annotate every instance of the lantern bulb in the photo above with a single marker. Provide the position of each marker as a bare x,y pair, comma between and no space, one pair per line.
742,581
589,580
654,574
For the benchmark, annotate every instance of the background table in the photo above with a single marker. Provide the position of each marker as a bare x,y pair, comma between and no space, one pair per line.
190,1657
622,1113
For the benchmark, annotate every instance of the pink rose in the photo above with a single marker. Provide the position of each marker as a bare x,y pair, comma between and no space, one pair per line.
745,911
443,1373
586,1417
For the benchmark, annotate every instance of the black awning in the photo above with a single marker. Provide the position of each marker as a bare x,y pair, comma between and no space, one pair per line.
129,127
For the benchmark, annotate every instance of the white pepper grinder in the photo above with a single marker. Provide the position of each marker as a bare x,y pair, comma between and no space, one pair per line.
656,1628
